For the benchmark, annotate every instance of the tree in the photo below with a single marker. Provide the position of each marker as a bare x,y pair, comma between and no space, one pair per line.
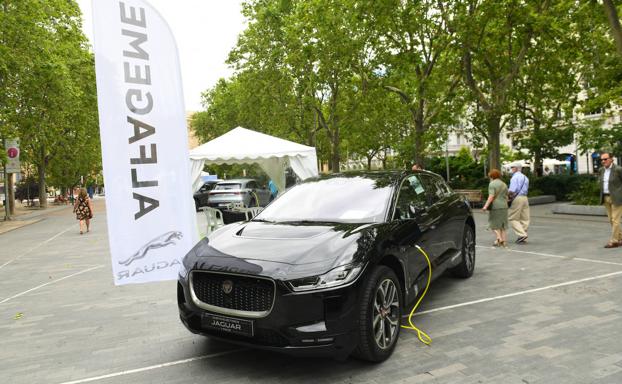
50,85
410,46
546,92
496,38
614,23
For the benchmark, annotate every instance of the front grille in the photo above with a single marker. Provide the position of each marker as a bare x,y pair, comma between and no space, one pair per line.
265,337
249,296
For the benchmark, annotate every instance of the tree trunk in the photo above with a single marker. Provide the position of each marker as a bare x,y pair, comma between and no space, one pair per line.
43,196
537,153
537,164
11,193
335,152
419,132
493,123
614,22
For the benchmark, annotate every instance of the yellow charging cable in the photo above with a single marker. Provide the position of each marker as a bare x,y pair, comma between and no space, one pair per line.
423,337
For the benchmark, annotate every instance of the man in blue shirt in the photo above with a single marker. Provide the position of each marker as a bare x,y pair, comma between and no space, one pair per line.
273,189
518,212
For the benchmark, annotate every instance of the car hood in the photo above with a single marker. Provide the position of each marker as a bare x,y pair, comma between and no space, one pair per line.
282,251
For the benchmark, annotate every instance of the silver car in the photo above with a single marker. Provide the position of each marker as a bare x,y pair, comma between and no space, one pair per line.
244,191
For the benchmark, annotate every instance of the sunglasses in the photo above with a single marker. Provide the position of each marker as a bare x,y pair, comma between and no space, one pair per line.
605,159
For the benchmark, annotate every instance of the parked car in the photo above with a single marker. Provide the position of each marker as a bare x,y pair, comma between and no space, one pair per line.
201,196
329,267
245,191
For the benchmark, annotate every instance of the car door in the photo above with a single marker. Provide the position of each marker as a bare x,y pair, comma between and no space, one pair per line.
413,225
441,202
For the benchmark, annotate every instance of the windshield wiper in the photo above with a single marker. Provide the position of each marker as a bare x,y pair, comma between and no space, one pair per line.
263,221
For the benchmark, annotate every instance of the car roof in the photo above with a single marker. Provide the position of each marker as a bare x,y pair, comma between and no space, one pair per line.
392,176
235,181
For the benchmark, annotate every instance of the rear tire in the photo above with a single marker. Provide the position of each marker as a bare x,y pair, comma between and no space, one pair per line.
467,260
380,315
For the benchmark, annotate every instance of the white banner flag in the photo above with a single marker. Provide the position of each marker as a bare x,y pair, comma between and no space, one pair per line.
151,219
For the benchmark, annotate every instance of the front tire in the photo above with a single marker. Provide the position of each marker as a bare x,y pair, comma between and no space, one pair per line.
379,315
467,261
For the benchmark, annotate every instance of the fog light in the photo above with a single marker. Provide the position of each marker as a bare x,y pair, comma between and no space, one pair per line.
317,327
326,340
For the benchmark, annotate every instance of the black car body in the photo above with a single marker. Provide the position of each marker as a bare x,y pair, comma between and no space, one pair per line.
329,267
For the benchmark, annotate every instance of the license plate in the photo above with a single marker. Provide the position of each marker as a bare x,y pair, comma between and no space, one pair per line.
228,324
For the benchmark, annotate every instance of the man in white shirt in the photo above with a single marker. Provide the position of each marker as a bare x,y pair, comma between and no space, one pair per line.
610,181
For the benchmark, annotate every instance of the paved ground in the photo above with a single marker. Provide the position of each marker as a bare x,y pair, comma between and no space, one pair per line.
545,312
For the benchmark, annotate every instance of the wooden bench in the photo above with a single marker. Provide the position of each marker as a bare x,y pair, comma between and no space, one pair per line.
474,196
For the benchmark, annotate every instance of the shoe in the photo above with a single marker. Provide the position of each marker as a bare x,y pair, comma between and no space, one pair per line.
497,243
612,245
521,239
80,232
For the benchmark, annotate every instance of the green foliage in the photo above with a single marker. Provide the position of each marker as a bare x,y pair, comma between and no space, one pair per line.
48,79
561,185
27,188
588,193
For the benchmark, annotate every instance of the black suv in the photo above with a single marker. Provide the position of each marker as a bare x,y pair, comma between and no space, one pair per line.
329,267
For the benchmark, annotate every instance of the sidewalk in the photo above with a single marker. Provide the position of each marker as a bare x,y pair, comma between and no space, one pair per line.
27,215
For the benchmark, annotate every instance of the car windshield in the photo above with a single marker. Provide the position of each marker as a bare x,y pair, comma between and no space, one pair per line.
225,186
335,200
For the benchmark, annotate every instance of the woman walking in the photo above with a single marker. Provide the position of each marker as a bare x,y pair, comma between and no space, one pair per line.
83,210
497,206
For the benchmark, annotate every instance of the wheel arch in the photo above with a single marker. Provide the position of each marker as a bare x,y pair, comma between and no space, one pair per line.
393,262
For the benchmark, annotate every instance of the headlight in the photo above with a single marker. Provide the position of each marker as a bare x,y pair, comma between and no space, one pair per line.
183,272
342,275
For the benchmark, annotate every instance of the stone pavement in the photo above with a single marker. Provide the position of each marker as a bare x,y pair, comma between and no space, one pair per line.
27,215
545,312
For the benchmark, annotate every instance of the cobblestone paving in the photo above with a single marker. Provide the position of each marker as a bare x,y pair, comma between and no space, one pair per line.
62,320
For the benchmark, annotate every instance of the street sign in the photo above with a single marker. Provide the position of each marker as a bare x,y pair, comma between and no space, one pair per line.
12,152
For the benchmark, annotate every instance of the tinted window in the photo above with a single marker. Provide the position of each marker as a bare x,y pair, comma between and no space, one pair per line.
225,186
251,185
339,200
412,197
435,188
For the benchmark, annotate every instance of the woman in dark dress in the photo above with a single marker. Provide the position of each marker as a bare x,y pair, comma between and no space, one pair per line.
83,210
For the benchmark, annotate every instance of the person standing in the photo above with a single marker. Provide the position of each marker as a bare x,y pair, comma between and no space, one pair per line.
518,212
83,208
610,181
498,203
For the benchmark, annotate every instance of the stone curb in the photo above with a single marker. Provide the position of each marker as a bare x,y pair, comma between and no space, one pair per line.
573,209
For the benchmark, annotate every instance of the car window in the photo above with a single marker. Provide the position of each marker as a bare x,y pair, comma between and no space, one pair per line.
412,197
336,200
435,188
251,185
225,186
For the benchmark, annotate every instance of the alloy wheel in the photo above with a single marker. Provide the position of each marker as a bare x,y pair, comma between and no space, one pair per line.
386,314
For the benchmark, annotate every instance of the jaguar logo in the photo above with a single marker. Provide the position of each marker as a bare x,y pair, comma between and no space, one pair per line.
165,239
227,286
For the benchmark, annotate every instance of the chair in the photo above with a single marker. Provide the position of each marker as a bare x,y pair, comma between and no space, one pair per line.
214,218
253,211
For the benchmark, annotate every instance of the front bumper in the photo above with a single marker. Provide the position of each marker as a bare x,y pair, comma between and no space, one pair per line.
309,324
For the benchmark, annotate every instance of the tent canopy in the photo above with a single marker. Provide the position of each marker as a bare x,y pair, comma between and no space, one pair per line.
244,146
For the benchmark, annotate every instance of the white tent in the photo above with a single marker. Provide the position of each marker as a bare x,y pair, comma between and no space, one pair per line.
243,146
